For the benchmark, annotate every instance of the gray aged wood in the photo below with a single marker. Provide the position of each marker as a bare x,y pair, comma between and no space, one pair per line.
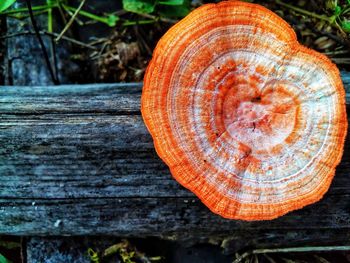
78,160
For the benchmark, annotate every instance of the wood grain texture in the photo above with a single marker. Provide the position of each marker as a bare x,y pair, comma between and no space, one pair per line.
78,160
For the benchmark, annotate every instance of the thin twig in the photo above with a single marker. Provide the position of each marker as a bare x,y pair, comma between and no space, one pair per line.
141,22
25,15
71,20
77,42
104,46
99,41
53,54
37,33
22,250
94,17
142,40
341,60
163,19
336,38
289,250
60,9
70,13
304,12
337,52
20,10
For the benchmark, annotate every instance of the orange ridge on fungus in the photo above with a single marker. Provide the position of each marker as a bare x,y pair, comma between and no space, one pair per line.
245,117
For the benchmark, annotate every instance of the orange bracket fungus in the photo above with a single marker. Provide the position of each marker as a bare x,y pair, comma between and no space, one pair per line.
245,117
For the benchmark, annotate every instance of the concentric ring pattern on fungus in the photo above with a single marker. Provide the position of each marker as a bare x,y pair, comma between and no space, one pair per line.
245,117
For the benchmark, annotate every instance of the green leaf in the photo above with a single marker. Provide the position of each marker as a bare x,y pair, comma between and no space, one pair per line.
4,260
173,2
139,6
175,11
345,25
4,4
337,10
112,20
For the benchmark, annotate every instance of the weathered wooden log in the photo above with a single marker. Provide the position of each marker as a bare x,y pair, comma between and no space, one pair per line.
78,160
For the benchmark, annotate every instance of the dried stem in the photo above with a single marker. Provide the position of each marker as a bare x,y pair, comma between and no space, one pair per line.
289,250
305,12
37,33
77,42
71,20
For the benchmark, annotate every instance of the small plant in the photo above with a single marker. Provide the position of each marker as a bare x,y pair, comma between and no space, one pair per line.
3,259
252,256
4,4
108,19
9,245
125,251
337,19
166,8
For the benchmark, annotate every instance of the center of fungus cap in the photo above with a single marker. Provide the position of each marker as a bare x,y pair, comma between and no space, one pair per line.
245,117
259,115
